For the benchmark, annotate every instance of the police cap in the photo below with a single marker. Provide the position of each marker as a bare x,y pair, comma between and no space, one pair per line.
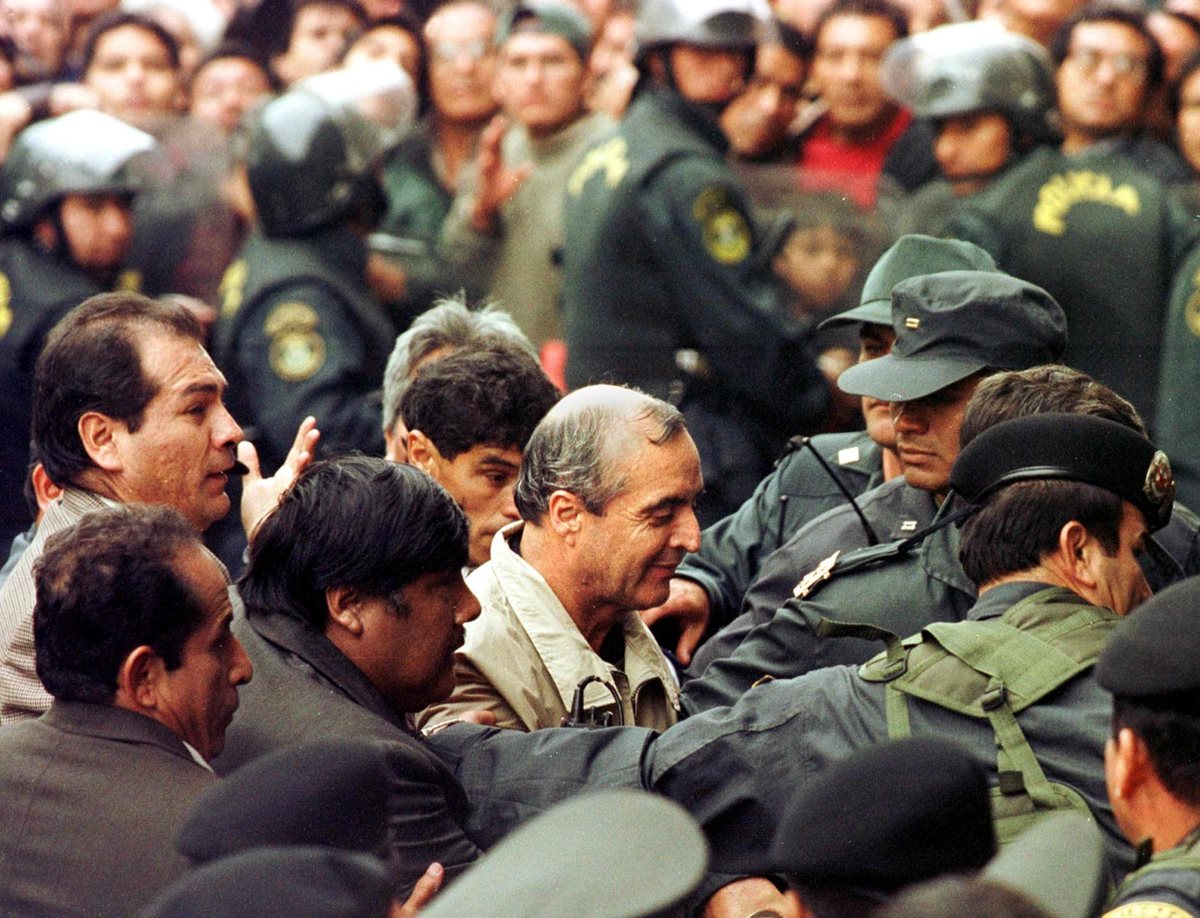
332,794
548,18
612,854
1068,447
910,256
303,882
886,817
1153,652
956,323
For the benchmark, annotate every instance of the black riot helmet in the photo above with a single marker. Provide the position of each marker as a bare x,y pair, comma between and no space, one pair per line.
972,67
312,154
82,152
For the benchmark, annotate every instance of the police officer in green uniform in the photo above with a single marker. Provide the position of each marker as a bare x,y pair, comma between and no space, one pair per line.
666,279
824,472
300,332
65,194
1153,753
1179,380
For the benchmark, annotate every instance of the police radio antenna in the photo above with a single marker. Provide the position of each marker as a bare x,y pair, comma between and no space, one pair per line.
801,443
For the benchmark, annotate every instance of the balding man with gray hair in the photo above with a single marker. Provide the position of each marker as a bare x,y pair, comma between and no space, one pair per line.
606,493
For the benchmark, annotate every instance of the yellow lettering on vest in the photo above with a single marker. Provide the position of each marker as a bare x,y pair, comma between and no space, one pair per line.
1062,192
6,313
610,157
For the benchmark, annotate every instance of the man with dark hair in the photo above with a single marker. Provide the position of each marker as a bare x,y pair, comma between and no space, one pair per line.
133,641
1153,754
469,417
606,494
127,408
316,36
131,63
228,82
348,643
446,328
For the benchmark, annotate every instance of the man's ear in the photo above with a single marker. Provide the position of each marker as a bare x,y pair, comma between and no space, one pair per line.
422,453
139,678
1129,767
564,515
1076,552
345,609
97,433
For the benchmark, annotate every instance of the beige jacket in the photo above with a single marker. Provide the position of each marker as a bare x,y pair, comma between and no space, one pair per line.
524,656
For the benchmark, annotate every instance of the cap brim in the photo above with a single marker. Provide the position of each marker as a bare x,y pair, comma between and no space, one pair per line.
1059,863
877,312
892,378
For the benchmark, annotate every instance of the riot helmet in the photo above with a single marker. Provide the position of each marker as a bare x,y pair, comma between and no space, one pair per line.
82,152
972,67
312,154
704,23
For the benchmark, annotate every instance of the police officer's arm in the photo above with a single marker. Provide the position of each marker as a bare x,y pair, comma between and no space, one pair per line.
710,252
303,354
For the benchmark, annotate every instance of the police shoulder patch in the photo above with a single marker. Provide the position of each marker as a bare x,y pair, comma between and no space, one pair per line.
297,350
1148,910
6,313
723,227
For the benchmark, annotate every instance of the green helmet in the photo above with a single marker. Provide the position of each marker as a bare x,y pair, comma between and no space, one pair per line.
974,67
82,152
704,23
312,153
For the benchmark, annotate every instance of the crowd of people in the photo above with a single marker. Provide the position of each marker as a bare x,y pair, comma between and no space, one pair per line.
621,457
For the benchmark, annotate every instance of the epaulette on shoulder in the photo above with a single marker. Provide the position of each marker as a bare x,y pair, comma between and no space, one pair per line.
838,565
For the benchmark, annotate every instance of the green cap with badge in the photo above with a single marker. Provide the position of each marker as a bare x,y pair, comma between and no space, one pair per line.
548,19
954,324
910,256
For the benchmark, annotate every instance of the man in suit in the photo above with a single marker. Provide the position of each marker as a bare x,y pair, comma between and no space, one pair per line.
346,642
133,639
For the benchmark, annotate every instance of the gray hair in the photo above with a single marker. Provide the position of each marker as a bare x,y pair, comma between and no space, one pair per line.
572,449
452,325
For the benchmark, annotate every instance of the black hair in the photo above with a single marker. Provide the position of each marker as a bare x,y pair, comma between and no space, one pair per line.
355,521
105,587
239,50
1060,43
1169,725
92,362
495,397
1020,524
883,9
115,20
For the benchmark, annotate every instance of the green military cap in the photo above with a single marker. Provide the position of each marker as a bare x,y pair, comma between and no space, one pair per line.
955,323
1068,447
887,816
1058,863
548,19
611,854
1153,652
300,882
910,256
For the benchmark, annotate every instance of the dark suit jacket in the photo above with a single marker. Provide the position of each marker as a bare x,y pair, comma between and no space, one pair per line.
91,799
304,688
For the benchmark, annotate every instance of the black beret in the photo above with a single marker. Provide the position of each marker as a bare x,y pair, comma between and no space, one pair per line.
1068,447
299,882
886,817
1155,649
328,793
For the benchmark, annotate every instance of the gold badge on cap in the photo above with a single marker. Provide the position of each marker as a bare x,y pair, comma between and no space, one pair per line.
1148,910
912,322
1159,486
816,575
